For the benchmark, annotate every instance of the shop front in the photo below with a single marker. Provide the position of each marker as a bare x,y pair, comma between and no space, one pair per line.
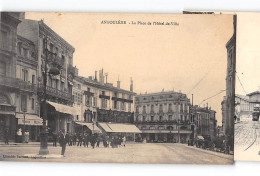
60,118
86,128
31,123
165,136
120,129
8,121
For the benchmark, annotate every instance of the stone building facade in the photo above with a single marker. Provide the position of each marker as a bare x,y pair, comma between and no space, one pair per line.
98,103
59,88
163,116
206,123
10,86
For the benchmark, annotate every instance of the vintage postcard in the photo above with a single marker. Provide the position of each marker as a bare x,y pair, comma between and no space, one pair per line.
247,97
117,88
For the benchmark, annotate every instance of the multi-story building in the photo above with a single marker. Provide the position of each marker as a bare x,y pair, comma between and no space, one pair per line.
102,106
59,88
27,106
163,116
206,124
10,87
229,101
245,104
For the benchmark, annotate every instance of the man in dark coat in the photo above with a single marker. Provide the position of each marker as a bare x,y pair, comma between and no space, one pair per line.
79,140
6,136
98,141
86,140
93,141
74,139
55,136
63,142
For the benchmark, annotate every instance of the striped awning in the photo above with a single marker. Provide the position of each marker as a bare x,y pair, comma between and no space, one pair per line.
90,126
62,108
119,128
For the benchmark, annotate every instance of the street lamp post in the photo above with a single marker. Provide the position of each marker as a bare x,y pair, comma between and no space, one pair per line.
44,134
24,125
179,137
93,127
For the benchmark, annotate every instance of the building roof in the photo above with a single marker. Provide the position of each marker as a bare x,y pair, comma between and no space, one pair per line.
105,86
243,97
161,96
253,93
41,22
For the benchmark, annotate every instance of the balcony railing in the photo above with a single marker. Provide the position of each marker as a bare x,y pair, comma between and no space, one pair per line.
163,122
17,84
59,62
72,70
56,93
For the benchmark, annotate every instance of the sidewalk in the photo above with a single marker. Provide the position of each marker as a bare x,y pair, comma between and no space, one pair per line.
209,151
30,144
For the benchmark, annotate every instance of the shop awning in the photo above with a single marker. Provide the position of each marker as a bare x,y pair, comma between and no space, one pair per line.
167,131
62,108
30,119
119,128
90,126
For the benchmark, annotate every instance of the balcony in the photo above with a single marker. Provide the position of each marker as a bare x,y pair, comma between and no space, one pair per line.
122,100
163,122
72,70
18,84
52,92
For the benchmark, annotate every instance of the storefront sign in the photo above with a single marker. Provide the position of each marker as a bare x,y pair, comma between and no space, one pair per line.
30,122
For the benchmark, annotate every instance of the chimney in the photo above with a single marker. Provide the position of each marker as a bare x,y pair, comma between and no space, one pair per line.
118,83
192,99
131,85
106,74
95,75
101,76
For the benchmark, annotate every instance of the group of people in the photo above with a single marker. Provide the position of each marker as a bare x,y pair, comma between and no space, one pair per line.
19,138
86,140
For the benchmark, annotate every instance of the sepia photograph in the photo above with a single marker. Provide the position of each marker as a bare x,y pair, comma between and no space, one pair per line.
119,88
247,98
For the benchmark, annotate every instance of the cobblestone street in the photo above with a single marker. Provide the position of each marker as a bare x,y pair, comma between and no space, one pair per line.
247,139
132,153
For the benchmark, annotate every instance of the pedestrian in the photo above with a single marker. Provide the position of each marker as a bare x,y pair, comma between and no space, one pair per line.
67,137
54,136
71,139
124,141
74,138
6,136
63,142
26,136
98,141
60,133
93,141
85,140
79,140
19,135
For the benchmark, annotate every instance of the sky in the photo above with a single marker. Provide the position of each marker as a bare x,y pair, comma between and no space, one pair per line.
157,57
248,52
